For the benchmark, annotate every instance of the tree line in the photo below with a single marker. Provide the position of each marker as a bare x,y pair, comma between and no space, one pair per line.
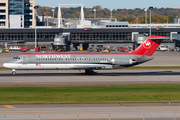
159,15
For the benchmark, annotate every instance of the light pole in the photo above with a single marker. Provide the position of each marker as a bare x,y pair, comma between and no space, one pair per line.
111,13
53,12
94,13
47,19
145,16
150,8
35,7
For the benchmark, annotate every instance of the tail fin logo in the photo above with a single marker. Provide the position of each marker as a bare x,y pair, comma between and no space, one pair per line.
147,44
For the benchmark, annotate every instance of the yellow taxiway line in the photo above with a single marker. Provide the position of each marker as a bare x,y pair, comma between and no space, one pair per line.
8,106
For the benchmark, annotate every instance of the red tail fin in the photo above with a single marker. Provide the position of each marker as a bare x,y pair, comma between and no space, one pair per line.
149,46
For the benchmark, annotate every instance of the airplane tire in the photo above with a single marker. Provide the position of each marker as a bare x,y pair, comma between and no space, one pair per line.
13,73
89,72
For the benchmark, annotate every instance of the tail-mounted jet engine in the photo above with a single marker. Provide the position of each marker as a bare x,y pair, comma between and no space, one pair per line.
123,61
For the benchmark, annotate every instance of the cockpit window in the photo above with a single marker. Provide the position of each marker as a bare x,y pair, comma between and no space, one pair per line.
16,57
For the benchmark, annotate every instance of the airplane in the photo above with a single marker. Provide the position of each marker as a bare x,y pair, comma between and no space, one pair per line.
85,61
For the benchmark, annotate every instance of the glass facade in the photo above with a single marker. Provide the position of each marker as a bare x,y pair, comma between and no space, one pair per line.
2,4
2,11
16,7
101,36
75,36
27,12
117,24
26,36
167,34
2,17
2,23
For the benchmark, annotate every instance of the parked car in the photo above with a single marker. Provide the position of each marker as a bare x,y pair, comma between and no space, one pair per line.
12,48
24,48
163,48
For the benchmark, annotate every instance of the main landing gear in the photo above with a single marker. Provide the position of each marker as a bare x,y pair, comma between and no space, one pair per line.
89,72
13,72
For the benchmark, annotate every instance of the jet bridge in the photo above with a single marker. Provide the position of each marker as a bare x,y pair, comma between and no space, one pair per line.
62,42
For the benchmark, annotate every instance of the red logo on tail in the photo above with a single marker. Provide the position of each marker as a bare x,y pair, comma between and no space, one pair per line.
147,44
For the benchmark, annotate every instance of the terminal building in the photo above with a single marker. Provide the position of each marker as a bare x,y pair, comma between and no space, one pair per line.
17,24
17,14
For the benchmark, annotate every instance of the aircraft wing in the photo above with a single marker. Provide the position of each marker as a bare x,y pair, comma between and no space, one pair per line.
92,66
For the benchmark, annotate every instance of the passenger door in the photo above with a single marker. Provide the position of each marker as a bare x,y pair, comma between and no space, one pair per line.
24,61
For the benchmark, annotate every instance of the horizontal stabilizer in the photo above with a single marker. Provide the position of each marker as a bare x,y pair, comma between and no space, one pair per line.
163,38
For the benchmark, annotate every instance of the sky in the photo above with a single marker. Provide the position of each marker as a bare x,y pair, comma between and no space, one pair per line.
113,4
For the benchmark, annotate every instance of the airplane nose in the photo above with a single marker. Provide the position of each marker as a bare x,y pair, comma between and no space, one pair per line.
7,65
4,65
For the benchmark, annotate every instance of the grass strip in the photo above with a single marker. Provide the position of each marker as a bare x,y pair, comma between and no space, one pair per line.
2,68
89,94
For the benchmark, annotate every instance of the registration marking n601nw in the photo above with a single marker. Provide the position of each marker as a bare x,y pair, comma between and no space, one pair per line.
8,106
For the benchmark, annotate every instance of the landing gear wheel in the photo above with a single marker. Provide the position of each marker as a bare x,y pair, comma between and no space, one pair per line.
13,73
89,72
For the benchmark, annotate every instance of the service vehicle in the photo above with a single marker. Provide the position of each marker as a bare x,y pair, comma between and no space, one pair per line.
105,50
13,48
5,50
163,48
24,48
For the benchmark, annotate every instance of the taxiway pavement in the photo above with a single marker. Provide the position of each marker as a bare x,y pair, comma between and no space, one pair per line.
101,77
150,111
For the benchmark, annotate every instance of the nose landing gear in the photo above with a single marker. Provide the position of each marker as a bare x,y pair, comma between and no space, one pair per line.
13,72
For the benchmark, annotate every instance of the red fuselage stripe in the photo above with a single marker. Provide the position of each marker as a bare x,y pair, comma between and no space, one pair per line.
77,54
